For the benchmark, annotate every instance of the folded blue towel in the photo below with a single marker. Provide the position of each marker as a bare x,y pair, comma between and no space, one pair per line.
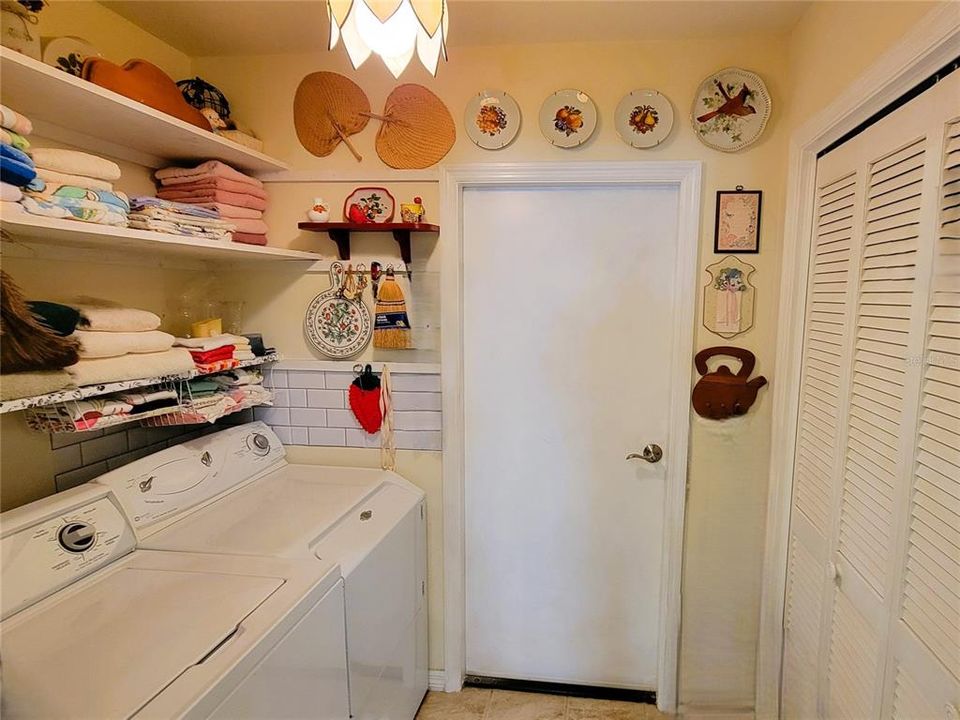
9,151
15,172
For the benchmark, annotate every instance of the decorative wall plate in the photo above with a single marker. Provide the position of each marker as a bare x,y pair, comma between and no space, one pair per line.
376,204
335,326
644,118
492,119
729,298
568,118
730,109
68,54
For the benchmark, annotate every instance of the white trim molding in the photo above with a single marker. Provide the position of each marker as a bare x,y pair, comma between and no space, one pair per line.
930,45
437,680
686,176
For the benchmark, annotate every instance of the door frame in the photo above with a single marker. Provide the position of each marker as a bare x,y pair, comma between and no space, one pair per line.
929,46
686,177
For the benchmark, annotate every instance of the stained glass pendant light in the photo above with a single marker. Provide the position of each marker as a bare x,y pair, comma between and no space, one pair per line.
393,29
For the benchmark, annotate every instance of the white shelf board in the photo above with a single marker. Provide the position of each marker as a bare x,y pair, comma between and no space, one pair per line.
90,391
37,229
73,111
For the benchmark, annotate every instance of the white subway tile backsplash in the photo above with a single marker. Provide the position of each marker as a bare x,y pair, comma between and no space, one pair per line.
296,397
299,436
305,379
341,418
126,458
283,433
362,439
281,398
67,480
67,458
416,400
275,379
103,447
327,436
415,383
417,420
339,380
417,440
272,415
308,417
326,399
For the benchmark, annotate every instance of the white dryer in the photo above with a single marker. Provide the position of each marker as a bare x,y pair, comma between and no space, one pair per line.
234,493
94,628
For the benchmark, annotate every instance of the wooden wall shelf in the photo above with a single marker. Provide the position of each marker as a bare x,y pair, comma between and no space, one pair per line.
340,233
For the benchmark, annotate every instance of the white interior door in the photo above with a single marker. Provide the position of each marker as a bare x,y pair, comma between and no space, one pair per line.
569,302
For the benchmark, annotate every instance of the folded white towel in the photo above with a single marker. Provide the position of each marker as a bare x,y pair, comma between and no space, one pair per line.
110,318
131,367
212,343
95,344
142,397
75,162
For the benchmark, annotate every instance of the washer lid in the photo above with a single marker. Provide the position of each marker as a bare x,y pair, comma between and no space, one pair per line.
281,514
106,650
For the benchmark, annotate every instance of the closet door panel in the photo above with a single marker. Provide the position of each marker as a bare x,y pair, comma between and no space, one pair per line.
817,462
927,643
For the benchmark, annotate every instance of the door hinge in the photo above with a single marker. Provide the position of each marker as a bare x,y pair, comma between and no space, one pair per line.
421,511
423,587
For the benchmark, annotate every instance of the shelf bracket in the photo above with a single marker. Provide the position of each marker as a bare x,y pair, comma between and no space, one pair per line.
342,239
403,240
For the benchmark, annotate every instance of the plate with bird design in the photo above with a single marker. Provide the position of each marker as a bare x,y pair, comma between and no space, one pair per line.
568,118
730,109
644,118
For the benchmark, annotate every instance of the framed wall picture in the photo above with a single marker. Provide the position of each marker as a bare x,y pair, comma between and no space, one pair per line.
737,228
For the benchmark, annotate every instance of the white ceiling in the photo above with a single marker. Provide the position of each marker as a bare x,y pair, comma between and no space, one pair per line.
256,27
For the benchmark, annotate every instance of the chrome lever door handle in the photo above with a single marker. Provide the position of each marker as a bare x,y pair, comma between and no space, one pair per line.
651,453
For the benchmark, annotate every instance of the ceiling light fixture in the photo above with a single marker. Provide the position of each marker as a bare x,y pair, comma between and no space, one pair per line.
393,29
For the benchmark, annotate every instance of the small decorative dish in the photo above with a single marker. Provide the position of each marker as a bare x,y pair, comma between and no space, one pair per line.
730,109
337,326
492,119
369,205
568,118
644,118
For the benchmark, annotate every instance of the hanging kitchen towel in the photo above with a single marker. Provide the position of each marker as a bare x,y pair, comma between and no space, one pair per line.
364,397
388,445
391,328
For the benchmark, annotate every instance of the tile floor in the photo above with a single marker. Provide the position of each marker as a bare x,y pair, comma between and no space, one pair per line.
478,704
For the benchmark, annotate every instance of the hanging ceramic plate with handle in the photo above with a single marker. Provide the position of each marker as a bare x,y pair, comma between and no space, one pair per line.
644,118
730,109
68,54
492,119
568,118
335,326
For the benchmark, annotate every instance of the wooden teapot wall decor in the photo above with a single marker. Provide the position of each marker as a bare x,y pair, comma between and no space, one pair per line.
720,394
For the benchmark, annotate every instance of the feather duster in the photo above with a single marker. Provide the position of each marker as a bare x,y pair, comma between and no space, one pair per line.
25,342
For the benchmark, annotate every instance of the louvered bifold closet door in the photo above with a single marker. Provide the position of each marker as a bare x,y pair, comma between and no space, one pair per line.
816,469
925,672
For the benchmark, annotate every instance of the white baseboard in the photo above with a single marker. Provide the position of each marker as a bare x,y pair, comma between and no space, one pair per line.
701,712
436,680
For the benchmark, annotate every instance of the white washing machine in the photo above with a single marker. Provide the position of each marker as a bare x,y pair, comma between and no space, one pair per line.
94,628
234,493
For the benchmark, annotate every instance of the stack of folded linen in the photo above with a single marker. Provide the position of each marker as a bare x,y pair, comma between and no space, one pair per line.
167,216
75,185
239,199
213,397
217,353
113,409
118,344
16,167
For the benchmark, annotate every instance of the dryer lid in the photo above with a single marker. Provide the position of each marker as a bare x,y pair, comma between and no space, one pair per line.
105,650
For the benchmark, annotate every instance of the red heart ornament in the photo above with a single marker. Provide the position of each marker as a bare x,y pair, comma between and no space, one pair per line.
366,408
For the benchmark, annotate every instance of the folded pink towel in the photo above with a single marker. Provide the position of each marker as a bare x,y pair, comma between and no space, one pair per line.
178,176
212,182
248,225
250,238
232,212
206,196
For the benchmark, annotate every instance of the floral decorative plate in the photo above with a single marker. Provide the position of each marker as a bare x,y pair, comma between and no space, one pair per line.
68,54
730,109
492,119
568,118
644,118
369,204
334,325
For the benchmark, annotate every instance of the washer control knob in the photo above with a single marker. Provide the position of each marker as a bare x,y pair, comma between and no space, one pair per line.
77,537
259,443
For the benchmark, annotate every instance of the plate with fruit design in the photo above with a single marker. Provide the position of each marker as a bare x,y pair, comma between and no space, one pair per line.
492,119
644,118
568,118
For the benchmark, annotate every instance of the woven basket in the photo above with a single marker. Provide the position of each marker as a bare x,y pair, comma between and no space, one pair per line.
324,102
241,138
418,131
